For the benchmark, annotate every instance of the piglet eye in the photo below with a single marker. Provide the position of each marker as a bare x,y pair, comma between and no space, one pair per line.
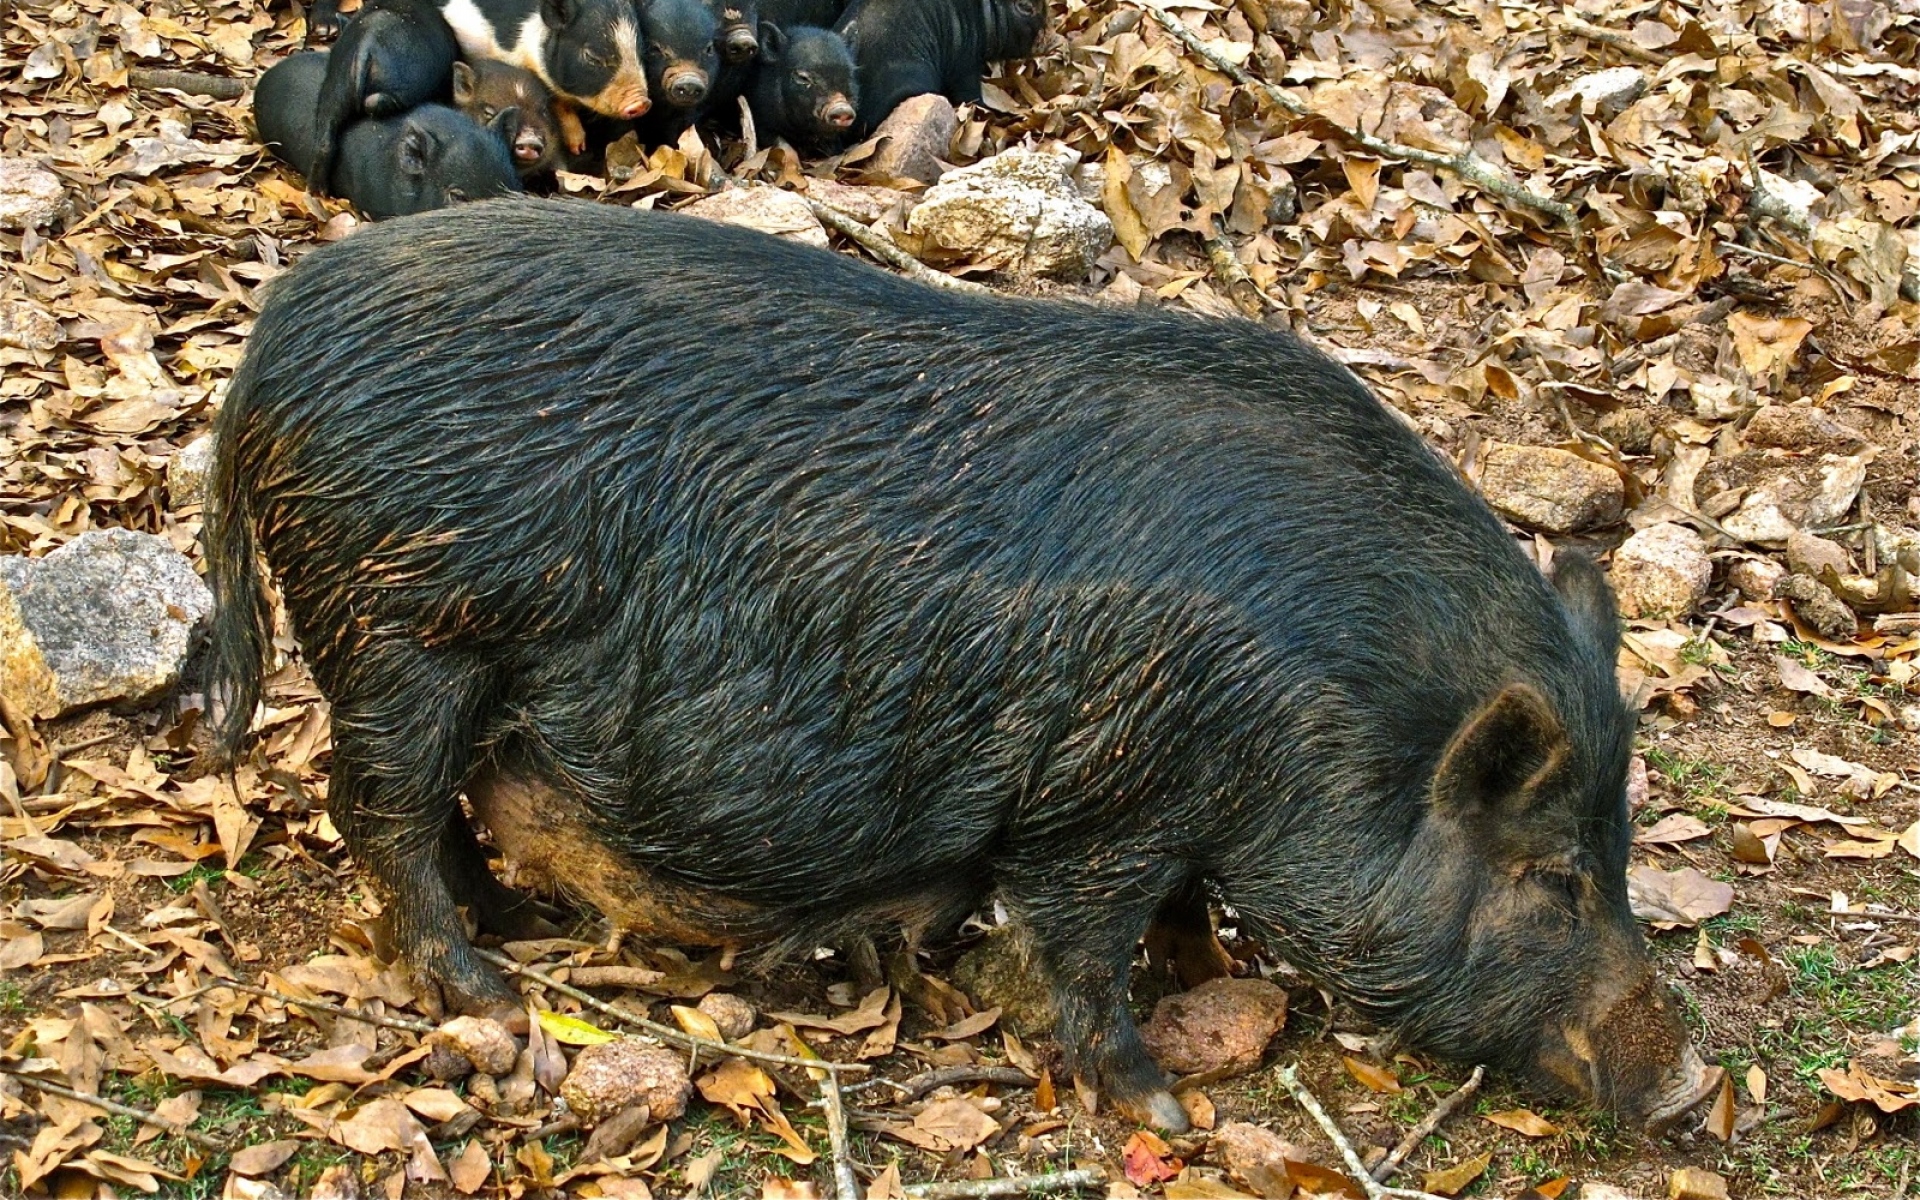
803,79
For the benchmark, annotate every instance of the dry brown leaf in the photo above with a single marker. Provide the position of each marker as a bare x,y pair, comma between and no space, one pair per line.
1720,1117
470,1168
1523,1121
1856,1083
1373,1078
1454,1179
955,1124
1668,899
263,1158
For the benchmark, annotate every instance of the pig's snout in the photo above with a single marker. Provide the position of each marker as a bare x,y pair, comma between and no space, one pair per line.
685,86
635,109
740,45
838,112
1635,1059
529,145
627,99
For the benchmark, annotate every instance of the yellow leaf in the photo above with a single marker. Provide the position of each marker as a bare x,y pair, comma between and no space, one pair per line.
1910,840
697,1023
1522,1121
1451,1181
1128,226
572,1030
1377,1079
1720,1118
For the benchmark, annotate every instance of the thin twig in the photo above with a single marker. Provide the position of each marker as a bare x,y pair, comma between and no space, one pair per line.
338,1010
1624,43
1384,1170
918,1086
969,1189
124,1110
1241,289
558,1125
1466,164
665,1033
850,226
845,1187
193,83
1289,1077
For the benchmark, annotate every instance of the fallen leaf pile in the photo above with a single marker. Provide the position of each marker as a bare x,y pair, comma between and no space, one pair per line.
1648,274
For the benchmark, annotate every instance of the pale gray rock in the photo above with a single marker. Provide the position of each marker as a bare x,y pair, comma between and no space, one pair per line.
109,617
914,139
1016,212
187,472
25,325
766,209
1804,495
1661,571
30,195
1548,489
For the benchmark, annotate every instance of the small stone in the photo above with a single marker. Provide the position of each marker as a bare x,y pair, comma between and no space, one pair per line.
914,139
869,204
1631,430
1755,578
1016,212
30,195
1801,427
1255,1157
766,209
1002,972
733,1015
1661,571
1815,603
1808,555
619,1074
110,616
482,1041
1222,1025
1801,496
444,1062
1606,92
1907,717
24,325
187,472
1548,489
1694,1183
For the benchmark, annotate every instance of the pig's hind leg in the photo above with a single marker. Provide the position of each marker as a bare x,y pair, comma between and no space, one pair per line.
404,719
1085,928
493,906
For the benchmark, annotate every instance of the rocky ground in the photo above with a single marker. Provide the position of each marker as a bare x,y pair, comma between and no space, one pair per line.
1647,273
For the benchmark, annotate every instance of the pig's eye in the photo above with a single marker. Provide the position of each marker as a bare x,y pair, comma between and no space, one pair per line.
655,54
803,78
487,112
1561,884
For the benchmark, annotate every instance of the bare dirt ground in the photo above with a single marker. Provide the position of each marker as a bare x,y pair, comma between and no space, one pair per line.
1745,180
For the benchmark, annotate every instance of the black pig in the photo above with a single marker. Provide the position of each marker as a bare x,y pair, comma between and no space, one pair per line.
788,13
394,55
803,87
682,61
951,597
485,89
739,38
426,158
587,52
911,47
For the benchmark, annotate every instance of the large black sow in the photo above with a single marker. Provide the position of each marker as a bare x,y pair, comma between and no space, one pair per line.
947,597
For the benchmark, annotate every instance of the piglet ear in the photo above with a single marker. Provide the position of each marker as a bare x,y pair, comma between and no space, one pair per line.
462,84
506,124
773,41
417,148
556,13
1583,589
1501,757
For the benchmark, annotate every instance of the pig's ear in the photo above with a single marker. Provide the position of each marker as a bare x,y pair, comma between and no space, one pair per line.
462,85
417,148
1501,758
1583,589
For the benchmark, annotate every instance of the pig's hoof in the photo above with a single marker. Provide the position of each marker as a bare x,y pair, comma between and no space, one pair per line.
1158,1109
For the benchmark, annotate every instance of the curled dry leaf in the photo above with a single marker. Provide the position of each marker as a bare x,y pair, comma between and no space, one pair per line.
1523,1121
1672,899
1856,1083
